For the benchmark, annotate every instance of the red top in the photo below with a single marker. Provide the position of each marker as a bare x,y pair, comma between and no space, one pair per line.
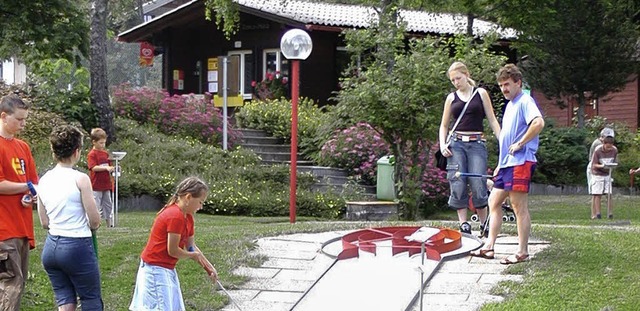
16,165
170,220
100,181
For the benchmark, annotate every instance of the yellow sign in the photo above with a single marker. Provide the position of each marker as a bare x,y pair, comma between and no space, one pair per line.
232,101
212,63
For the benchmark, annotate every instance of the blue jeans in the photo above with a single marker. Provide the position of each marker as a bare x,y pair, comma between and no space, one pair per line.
468,157
72,267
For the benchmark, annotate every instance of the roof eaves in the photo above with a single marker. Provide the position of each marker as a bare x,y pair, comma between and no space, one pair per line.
156,20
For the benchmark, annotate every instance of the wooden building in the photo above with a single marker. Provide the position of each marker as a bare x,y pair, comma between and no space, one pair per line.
191,44
623,106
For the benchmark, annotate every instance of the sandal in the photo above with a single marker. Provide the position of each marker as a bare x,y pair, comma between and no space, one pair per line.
483,253
514,259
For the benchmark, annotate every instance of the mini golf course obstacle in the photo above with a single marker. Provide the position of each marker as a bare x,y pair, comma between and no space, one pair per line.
383,268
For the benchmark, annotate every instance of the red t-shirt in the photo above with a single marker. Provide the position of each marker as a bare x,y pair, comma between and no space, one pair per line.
170,220
100,181
16,165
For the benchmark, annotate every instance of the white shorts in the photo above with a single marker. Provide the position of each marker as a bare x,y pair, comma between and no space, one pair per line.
157,289
600,185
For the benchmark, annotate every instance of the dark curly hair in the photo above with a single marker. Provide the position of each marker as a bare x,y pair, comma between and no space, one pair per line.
65,139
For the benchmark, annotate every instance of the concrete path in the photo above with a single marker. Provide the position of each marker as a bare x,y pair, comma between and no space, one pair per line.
295,262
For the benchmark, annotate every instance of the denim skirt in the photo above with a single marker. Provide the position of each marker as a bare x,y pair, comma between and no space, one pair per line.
157,289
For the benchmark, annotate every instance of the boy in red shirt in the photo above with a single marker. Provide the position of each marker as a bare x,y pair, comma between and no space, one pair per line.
17,171
100,174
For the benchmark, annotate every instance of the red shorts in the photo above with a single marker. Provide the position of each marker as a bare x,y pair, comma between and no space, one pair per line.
515,178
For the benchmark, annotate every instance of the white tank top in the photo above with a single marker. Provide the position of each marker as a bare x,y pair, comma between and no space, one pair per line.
60,195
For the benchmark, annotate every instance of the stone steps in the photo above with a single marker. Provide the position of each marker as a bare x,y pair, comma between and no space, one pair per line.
275,151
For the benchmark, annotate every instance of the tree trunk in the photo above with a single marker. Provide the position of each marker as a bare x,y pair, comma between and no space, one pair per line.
98,67
470,19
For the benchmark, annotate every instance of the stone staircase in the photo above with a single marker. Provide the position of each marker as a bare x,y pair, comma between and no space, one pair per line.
273,150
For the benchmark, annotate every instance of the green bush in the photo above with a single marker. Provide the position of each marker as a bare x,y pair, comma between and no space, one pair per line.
562,156
239,184
274,117
61,87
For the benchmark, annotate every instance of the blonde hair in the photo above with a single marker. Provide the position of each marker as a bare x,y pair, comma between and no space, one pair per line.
461,68
190,185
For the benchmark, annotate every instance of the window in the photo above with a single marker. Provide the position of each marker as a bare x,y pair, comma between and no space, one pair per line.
246,72
273,61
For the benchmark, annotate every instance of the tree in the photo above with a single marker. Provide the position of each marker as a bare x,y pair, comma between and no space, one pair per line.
576,49
38,29
98,67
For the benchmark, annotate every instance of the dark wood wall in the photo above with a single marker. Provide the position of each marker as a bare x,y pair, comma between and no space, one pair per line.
198,39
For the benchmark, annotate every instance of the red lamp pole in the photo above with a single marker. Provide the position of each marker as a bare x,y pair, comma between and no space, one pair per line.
295,76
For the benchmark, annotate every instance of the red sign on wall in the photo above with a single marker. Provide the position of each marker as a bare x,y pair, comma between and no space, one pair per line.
146,54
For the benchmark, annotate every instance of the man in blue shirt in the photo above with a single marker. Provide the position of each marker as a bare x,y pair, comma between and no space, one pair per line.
521,124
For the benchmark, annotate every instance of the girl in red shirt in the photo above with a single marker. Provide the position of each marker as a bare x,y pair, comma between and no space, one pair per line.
171,238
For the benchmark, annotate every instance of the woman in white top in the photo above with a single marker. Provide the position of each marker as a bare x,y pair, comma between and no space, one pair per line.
66,208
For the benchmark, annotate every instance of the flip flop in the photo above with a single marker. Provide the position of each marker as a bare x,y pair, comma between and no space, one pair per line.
514,259
483,253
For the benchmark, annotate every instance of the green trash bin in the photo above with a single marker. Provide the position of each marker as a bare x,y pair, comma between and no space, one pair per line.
385,187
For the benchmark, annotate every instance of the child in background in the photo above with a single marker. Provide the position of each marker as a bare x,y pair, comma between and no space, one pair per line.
600,180
171,239
100,173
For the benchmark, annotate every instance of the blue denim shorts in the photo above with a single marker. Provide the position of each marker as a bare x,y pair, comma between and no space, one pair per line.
73,270
468,157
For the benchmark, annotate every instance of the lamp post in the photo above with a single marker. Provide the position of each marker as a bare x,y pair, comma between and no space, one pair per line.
295,45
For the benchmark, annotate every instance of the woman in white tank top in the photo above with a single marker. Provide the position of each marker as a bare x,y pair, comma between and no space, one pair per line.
66,208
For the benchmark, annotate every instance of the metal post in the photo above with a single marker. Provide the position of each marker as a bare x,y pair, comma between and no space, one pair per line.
115,194
610,183
225,97
295,76
422,251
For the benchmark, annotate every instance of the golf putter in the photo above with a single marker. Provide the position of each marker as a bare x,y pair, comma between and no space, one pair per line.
190,249
231,298
458,174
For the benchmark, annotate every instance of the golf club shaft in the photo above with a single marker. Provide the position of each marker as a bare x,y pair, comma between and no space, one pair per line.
473,175
226,292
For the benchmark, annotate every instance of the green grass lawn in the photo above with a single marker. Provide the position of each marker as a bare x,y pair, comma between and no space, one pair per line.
590,265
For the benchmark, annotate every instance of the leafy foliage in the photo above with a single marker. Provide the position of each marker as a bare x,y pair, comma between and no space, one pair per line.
41,29
239,184
561,151
61,87
274,116
272,87
356,149
577,49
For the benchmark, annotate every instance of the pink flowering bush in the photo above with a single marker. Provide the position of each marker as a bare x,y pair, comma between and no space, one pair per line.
187,115
435,185
272,87
356,149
